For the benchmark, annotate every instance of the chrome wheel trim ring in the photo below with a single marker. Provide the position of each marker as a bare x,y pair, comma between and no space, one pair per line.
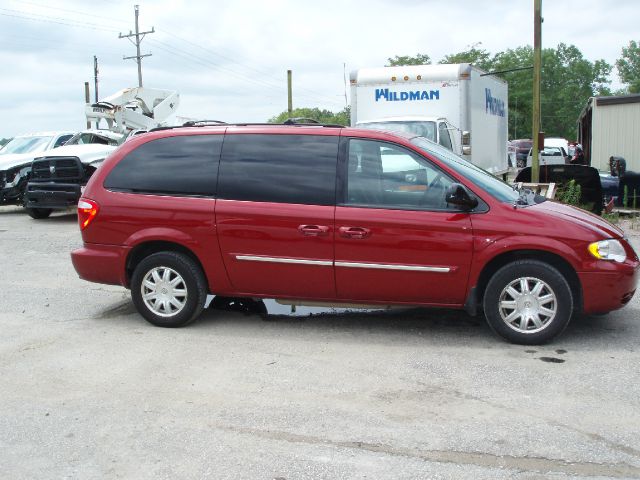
164,291
527,305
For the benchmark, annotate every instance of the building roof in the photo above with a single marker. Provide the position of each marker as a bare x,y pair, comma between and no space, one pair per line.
618,99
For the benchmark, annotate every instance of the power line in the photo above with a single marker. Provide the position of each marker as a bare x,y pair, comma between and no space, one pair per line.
48,19
248,67
210,64
270,81
101,17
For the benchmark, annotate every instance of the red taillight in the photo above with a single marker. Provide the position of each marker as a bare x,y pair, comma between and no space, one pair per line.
87,211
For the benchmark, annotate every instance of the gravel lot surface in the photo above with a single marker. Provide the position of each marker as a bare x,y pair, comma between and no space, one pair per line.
89,390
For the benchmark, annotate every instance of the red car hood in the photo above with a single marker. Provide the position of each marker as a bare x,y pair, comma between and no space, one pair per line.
581,217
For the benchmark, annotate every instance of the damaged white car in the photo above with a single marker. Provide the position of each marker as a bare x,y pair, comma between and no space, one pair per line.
57,177
15,162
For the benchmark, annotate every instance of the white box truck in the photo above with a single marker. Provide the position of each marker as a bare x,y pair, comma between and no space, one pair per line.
455,105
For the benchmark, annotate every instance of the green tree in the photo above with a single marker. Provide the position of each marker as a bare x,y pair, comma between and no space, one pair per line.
520,88
567,82
628,66
398,60
342,117
474,55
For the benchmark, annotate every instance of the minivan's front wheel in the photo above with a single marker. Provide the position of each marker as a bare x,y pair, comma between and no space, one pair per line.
39,213
168,289
528,302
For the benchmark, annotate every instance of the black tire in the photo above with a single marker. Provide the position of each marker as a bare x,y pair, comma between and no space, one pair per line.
39,213
541,314
189,279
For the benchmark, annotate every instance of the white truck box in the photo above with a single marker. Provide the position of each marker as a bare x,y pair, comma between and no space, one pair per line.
436,99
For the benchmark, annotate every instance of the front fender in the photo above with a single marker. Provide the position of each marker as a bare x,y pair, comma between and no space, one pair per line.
488,248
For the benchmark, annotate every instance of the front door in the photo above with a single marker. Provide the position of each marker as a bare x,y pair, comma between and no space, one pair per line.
397,240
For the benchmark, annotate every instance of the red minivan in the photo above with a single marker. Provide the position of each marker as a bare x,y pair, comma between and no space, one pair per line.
322,214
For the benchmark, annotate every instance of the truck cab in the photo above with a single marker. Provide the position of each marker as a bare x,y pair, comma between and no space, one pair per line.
15,162
58,176
459,99
438,130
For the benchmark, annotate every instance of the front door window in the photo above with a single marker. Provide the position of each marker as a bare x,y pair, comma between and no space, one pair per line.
385,175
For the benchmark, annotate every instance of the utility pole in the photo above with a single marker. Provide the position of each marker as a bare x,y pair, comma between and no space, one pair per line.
537,66
95,76
95,84
289,92
139,37
87,99
344,77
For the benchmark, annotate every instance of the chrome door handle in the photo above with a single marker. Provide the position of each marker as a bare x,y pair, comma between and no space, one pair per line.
354,232
313,230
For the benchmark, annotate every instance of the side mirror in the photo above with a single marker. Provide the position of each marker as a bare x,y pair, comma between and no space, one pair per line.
459,196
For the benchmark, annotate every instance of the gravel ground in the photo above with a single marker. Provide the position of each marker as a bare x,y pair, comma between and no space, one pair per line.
90,390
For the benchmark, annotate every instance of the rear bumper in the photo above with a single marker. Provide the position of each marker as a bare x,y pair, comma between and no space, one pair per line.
101,263
607,291
51,195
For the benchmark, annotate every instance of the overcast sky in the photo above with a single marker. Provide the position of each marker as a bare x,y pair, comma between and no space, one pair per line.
228,58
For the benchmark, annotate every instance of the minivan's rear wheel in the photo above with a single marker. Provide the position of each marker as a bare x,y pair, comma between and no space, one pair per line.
528,302
39,213
168,289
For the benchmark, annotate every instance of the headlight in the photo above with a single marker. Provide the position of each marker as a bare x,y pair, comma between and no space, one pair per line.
608,250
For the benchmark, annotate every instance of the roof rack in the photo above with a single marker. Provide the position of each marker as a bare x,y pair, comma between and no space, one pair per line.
300,120
203,123
292,122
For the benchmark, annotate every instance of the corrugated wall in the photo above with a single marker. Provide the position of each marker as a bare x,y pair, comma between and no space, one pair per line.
616,131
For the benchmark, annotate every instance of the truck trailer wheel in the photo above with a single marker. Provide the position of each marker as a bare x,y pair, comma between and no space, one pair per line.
528,302
168,289
39,213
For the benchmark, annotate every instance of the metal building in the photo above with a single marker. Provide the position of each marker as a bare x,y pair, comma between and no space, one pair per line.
610,126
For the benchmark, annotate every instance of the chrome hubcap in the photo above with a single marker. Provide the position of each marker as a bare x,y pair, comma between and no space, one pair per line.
164,291
528,305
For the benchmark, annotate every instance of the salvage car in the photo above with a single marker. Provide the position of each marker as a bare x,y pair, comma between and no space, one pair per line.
522,147
15,162
328,215
57,177
549,156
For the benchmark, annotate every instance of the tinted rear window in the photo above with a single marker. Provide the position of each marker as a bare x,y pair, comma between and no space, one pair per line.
279,168
184,165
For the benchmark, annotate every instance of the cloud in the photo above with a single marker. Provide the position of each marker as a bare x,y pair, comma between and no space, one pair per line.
228,59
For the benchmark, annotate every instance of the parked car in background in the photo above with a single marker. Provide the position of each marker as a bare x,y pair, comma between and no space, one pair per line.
561,143
511,154
58,176
15,162
96,136
380,219
522,148
549,156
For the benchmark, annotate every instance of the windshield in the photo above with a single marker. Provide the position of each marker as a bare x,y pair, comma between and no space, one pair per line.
490,184
84,138
26,145
421,128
